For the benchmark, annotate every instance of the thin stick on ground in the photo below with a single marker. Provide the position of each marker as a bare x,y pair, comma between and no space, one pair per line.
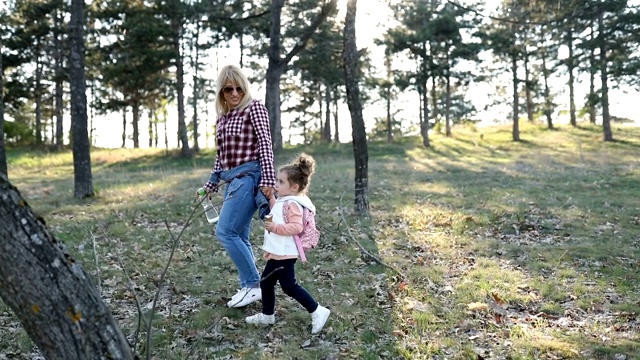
362,249
174,245
95,253
135,298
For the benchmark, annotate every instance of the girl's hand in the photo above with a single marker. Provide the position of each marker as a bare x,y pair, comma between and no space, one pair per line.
269,226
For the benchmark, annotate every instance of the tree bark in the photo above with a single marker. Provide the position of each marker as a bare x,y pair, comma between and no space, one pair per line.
195,65
448,106
81,149
424,125
326,129
124,127
388,110
547,93
571,66
38,98
52,296
3,151
593,97
59,91
351,75
435,111
515,133
606,118
135,124
182,127
336,134
527,81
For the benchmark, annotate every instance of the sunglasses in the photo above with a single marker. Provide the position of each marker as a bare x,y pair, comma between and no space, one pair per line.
229,89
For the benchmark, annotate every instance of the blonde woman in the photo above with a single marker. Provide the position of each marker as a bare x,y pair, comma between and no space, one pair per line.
244,161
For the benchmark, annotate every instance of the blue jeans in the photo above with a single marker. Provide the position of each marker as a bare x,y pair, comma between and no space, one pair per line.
234,225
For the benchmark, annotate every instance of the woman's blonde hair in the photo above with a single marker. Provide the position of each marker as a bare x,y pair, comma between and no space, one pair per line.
234,75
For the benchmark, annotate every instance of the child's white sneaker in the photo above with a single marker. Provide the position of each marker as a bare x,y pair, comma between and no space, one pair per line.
245,297
319,318
261,319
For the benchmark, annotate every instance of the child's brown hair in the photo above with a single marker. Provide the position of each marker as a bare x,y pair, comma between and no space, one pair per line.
299,172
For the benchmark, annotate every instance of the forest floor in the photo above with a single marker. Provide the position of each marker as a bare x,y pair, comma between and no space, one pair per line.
476,248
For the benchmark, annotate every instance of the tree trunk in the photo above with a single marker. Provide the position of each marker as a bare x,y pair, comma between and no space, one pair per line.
435,111
604,72
593,97
547,92
448,106
150,116
166,133
92,91
182,127
38,99
516,104
326,133
3,151
321,115
424,126
389,122
135,123
527,84
52,296
124,127
351,76
277,64
571,66
59,91
336,134
274,72
81,147
195,65
272,102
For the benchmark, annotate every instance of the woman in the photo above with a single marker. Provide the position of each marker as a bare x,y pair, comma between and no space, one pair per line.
244,161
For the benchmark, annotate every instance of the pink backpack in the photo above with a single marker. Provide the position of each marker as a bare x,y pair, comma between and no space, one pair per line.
309,237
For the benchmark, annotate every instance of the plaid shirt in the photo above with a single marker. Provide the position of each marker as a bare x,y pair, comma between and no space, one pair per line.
243,136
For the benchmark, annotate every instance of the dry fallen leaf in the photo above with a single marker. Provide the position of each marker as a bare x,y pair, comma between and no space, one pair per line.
476,306
497,298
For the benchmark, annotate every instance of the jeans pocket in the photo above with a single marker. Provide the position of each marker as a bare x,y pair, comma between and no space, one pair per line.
235,185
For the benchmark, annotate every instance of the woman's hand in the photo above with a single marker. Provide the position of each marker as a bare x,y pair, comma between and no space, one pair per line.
268,191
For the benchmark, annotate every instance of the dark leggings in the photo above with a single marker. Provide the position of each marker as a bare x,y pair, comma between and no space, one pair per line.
287,278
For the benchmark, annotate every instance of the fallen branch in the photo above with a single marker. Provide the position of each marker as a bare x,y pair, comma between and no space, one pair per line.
362,249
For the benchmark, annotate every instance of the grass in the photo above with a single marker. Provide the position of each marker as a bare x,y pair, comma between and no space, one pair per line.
510,250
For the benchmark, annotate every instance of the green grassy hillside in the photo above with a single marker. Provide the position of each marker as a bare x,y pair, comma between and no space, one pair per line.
477,248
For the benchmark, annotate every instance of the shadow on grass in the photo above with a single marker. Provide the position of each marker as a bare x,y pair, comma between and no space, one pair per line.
550,219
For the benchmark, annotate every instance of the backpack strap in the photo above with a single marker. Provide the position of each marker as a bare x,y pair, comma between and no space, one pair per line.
303,257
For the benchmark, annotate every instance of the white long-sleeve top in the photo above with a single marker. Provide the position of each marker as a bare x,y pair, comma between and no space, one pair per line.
280,244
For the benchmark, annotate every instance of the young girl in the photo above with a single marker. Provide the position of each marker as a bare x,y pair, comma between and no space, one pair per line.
281,253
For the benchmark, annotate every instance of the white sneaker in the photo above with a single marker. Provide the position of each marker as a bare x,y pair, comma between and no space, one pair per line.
245,297
319,318
261,319
240,293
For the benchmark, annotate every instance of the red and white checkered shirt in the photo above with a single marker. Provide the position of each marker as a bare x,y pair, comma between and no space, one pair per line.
243,136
